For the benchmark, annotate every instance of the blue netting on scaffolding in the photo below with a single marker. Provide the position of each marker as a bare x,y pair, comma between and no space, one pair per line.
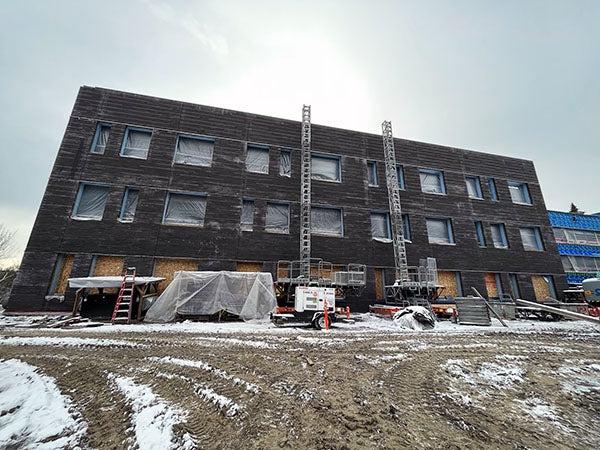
575,221
578,250
577,278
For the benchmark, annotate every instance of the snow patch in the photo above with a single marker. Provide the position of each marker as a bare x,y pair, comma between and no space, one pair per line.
543,412
33,412
66,342
153,418
583,378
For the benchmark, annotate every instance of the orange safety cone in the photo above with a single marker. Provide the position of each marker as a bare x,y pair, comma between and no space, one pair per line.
326,314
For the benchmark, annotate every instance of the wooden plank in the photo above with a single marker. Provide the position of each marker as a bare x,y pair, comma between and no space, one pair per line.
65,273
166,268
448,280
245,266
379,290
107,266
490,285
540,287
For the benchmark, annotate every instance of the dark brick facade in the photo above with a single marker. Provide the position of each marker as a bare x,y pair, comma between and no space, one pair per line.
219,244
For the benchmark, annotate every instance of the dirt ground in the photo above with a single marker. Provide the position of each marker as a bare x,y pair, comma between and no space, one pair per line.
347,388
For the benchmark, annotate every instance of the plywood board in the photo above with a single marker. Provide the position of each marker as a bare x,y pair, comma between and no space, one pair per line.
540,287
490,285
166,268
109,266
379,290
244,266
448,280
65,273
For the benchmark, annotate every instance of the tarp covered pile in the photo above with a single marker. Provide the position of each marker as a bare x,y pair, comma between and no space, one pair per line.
249,295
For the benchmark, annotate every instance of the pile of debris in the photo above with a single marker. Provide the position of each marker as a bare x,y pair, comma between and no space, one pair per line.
66,321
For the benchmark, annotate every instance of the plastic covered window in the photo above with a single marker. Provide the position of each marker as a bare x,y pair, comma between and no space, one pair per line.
372,173
90,202
285,163
194,151
185,209
432,181
519,193
474,187
491,183
514,285
100,139
550,282
247,219
531,238
480,234
400,175
326,221
406,227
499,235
129,205
439,231
257,159
278,218
326,168
380,226
136,143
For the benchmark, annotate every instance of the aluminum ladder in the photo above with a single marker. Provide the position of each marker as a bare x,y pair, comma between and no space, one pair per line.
124,304
391,178
305,189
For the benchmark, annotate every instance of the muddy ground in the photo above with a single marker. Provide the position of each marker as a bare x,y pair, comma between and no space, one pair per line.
349,388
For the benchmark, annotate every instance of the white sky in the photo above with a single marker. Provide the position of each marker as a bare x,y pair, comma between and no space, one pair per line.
517,78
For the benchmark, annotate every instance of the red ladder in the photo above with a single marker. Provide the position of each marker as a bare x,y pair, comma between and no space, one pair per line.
124,304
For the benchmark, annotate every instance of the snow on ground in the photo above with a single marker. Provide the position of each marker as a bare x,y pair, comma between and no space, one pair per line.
153,418
33,412
488,375
66,342
250,387
581,379
543,412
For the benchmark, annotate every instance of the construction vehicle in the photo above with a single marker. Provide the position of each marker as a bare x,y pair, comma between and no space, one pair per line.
413,286
309,288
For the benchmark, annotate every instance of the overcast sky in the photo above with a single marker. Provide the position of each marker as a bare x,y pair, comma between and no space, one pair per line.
517,78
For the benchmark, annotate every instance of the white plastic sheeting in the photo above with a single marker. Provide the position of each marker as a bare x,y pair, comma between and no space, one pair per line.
325,168
519,193
438,231
432,181
473,187
498,235
326,221
249,295
285,163
247,220
107,282
91,201
130,201
380,228
257,159
194,151
187,209
278,217
530,238
102,133
137,143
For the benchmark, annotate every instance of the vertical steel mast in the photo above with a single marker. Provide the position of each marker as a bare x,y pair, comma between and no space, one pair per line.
305,195
391,177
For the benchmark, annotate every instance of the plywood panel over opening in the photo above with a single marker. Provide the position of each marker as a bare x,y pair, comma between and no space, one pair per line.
65,273
379,282
109,266
490,285
540,287
448,280
245,266
166,268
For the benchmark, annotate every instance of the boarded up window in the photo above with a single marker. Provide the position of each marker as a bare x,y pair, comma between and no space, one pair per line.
379,284
166,268
449,281
543,286
62,272
490,285
244,266
108,266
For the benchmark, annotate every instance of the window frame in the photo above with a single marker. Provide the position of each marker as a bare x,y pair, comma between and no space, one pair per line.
400,176
503,234
261,147
80,188
99,127
478,189
406,226
449,228
549,279
320,233
140,129
480,232
124,202
513,281
289,216
520,184
491,185
329,156
441,178
247,226
203,195
538,238
197,138
289,153
388,226
372,173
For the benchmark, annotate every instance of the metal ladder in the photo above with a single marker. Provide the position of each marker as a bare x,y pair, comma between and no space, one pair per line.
391,177
124,304
305,195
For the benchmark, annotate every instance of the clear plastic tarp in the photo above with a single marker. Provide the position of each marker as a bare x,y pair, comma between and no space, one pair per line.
431,182
498,236
194,151
108,282
285,163
380,229
249,295
325,168
130,201
326,221
91,202
519,193
102,134
257,160
247,220
137,143
438,231
185,209
473,188
278,217
529,238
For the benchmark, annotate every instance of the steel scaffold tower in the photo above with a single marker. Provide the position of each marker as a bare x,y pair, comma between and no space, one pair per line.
305,195
391,177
